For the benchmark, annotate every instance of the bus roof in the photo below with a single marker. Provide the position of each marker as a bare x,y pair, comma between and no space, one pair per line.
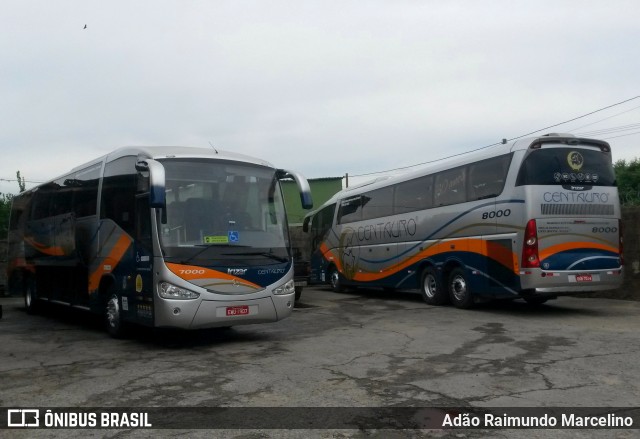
160,152
462,159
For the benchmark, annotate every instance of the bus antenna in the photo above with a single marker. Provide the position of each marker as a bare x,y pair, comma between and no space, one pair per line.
214,148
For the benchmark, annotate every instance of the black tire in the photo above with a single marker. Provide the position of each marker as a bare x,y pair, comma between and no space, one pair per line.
536,301
31,302
116,327
335,281
431,288
459,289
298,293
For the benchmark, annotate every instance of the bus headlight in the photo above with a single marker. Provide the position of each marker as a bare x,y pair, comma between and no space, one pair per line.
288,288
170,291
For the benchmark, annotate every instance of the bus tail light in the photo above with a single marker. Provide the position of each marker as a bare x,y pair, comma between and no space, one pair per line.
620,245
530,246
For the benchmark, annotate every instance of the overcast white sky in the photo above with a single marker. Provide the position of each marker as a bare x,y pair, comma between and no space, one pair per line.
323,87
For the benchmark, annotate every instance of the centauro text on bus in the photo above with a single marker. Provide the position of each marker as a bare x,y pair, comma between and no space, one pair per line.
529,219
165,237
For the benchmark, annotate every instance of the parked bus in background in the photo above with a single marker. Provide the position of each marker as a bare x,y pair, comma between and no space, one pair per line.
163,237
531,219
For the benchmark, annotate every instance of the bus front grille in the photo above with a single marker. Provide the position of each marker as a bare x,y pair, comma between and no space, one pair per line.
577,209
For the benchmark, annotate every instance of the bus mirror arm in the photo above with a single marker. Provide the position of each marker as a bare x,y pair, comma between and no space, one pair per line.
305,224
303,186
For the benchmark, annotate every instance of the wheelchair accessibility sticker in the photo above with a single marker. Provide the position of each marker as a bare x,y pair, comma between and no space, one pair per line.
234,236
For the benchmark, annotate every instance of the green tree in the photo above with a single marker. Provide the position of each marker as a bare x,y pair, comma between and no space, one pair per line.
5,209
21,183
628,178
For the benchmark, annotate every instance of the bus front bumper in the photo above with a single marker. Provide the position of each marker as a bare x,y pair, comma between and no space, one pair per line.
199,314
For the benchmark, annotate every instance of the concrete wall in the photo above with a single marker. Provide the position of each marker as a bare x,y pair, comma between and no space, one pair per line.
630,290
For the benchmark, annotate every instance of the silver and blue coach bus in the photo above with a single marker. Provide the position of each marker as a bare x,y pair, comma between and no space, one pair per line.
530,219
163,237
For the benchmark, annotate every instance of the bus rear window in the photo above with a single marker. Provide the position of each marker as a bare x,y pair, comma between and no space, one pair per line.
558,166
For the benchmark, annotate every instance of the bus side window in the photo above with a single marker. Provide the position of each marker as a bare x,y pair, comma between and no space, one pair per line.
377,203
41,203
62,197
450,187
350,210
413,195
486,178
321,224
19,207
118,193
86,191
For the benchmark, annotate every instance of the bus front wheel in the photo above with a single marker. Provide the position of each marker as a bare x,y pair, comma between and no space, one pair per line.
459,289
115,326
30,296
334,280
432,291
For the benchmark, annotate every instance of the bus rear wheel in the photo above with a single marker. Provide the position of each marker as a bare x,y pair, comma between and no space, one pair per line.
431,288
459,289
536,301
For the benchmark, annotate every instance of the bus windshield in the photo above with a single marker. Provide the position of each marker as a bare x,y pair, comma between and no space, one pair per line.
222,210
558,166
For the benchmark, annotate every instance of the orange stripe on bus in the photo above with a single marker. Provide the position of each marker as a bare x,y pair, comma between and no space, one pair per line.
113,259
194,272
51,251
490,249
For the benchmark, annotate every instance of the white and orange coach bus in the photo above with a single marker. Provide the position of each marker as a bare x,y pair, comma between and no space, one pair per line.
530,219
158,236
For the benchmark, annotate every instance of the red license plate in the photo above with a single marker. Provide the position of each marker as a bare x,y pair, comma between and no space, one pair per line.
584,278
238,310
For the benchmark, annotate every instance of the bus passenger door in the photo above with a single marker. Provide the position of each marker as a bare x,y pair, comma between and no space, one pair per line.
142,307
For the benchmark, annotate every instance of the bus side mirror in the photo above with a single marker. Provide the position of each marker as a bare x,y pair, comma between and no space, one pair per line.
303,186
156,181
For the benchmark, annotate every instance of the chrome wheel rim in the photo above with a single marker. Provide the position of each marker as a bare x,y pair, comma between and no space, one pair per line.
459,288
28,297
334,279
430,286
113,312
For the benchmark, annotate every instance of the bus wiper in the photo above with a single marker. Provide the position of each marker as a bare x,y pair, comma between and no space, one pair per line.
269,255
204,248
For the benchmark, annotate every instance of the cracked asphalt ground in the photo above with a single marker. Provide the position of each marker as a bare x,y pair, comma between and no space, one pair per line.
364,348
